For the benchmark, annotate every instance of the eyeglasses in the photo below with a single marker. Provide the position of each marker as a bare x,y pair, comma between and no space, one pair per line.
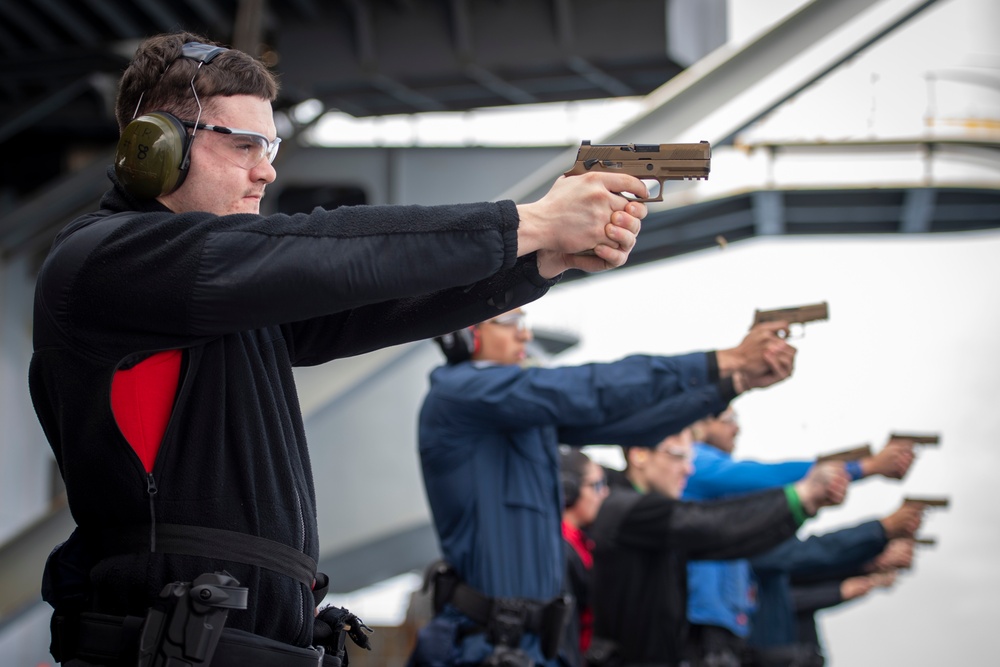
729,418
244,148
599,486
514,319
676,453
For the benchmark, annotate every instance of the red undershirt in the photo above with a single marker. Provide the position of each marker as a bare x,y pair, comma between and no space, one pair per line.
142,399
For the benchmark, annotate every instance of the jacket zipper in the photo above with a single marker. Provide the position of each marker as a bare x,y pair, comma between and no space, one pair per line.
151,491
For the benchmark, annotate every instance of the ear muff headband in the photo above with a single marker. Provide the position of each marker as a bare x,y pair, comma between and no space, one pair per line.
152,156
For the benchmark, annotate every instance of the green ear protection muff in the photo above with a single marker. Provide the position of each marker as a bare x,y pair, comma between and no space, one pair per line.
153,153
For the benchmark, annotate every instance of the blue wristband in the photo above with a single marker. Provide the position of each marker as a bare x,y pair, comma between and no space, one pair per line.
853,468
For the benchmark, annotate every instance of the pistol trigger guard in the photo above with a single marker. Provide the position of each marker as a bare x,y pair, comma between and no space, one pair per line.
640,199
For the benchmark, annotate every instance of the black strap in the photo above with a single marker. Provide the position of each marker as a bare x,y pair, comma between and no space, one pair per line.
504,620
219,544
448,588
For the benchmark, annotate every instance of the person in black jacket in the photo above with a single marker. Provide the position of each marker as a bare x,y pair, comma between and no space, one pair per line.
167,324
644,537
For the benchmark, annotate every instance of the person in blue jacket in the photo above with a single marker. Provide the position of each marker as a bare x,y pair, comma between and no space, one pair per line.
721,593
773,640
489,431
810,595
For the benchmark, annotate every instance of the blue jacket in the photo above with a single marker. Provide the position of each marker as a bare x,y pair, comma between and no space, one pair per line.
774,622
721,592
488,441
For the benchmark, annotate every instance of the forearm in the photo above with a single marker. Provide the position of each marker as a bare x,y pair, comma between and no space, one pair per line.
811,598
736,528
817,555
644,399
402,320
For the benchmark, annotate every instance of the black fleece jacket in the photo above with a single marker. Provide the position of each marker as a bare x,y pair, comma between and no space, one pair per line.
643,544
246,297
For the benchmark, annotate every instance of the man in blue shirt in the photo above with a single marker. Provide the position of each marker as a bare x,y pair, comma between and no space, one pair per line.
722,593
489,432
835,586
774,639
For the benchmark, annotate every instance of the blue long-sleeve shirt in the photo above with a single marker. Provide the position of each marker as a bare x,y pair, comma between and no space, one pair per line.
721,593
488,441
774,621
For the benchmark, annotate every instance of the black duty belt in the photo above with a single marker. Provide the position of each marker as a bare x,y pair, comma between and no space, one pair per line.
503,619
113,640
214,543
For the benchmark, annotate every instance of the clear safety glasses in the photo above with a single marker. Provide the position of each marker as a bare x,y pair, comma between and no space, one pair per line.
243,148
514,319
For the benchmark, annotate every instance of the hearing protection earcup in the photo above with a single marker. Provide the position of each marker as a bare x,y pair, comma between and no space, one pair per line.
459,346
151,159
570,487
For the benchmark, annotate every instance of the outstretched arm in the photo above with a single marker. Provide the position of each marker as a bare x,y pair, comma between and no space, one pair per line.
582,223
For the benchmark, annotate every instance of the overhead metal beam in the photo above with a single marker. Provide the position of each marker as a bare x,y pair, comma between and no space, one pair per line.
918,211
495,84
613,86
209,13
404,93
19,16
69,20
121,24
769,212
364,34
461,29
166,20
248,27
40,109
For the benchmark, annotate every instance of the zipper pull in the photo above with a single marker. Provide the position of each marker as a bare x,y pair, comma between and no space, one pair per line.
151,490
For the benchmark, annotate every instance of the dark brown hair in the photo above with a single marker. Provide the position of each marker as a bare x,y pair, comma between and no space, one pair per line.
161,78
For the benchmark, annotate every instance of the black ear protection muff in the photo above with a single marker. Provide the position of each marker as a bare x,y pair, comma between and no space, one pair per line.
569,474
153,153
570,488
459,346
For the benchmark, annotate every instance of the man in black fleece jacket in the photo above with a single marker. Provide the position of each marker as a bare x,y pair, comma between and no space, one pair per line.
645,536
168,322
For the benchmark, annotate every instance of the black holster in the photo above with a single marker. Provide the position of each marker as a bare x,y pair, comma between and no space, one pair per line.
602,653
184,625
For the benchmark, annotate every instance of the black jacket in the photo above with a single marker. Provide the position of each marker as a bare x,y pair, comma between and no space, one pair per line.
643,543
246,297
